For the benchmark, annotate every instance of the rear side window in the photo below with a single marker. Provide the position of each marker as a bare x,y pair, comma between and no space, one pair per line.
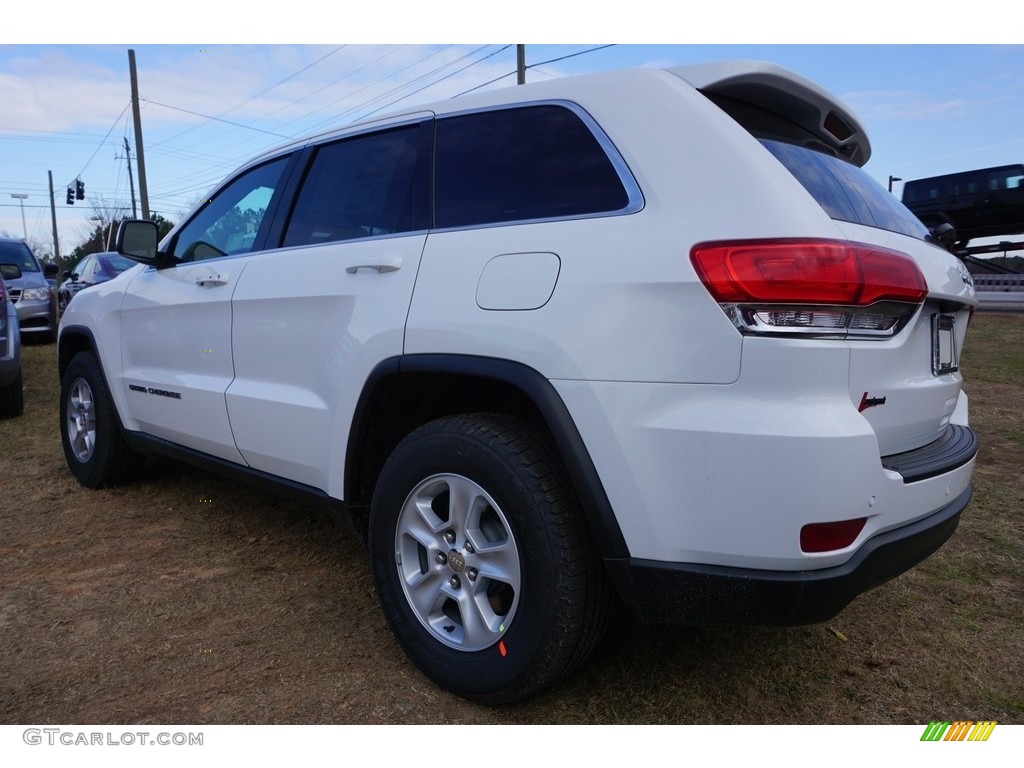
846,192
365,186
535,162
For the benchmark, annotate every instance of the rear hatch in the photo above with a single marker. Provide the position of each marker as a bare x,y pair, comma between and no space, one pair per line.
905,339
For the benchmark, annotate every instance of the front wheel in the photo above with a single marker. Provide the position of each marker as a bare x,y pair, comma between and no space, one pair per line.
482,563
95,450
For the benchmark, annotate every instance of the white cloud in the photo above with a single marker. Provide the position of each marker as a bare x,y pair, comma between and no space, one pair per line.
876,106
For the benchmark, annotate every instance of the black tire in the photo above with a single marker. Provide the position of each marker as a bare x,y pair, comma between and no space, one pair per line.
537,603
12,398
90,430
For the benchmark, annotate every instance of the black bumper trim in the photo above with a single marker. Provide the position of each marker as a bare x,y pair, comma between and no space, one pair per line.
957,446
685,593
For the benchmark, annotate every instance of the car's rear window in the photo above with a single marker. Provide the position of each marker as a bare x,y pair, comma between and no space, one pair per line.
120,263
846,192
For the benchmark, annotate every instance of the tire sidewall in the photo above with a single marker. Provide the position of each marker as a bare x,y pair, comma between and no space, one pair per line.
470,673
84,367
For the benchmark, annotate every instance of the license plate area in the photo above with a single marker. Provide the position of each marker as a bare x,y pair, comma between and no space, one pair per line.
944,352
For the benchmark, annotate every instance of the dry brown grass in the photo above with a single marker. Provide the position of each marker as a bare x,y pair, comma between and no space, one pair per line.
186,598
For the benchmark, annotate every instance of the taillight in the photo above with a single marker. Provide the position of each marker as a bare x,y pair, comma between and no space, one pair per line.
818,287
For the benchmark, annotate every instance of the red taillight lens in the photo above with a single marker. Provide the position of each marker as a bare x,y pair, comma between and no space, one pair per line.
824,272
825,537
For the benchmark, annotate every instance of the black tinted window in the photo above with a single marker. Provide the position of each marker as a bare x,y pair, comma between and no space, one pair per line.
360,187
846,192
517,164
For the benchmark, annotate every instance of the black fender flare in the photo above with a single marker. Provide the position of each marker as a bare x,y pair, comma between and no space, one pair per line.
557,419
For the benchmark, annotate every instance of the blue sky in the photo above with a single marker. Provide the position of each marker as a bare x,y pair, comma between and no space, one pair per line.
929,109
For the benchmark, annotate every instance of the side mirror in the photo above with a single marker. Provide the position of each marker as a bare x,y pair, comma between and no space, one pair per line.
10,271
138,239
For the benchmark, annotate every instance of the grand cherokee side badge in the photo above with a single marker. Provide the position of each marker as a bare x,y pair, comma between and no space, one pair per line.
869,402
154,391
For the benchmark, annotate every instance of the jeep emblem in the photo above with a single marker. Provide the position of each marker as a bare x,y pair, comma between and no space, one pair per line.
456,561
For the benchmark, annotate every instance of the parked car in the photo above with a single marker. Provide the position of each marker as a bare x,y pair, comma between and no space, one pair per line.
93,269
31,293
650,333
11,394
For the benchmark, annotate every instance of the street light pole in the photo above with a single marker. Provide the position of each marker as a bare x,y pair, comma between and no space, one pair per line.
21,199
891,180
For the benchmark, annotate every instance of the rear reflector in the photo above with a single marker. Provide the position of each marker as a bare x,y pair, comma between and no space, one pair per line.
825,537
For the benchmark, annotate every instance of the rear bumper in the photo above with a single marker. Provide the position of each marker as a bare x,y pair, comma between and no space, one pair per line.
681,593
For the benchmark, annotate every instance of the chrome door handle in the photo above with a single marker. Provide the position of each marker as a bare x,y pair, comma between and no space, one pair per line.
382,264
211,280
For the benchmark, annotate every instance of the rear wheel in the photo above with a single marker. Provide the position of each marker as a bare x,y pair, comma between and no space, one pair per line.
95,450
482,564
12,398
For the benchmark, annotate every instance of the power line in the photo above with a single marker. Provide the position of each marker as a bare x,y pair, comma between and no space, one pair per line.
102,141
440,80
218,119
534,66
254,96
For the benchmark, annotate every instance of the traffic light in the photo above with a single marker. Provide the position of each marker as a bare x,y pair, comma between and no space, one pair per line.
71,196
79,189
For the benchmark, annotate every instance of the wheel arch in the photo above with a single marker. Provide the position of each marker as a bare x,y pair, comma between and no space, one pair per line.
403,393
72,340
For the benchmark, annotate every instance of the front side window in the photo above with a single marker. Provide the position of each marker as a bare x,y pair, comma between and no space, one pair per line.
364,186
535,162
230,221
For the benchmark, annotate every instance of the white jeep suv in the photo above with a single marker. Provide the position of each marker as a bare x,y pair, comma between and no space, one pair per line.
650,333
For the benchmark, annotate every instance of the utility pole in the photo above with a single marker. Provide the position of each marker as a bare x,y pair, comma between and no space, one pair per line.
892,179
131,183
520,64
140,155
53,219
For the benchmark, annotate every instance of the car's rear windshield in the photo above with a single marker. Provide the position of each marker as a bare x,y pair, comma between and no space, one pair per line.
18,253
120,263
846,192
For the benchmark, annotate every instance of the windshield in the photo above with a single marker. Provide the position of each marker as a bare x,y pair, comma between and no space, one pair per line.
846,192
16,252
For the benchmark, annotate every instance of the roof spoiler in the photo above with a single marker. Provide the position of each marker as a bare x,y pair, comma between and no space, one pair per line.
787,94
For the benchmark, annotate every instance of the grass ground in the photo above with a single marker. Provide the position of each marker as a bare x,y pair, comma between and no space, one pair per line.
186,598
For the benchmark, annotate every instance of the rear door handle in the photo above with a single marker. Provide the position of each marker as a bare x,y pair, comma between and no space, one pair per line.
381,264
